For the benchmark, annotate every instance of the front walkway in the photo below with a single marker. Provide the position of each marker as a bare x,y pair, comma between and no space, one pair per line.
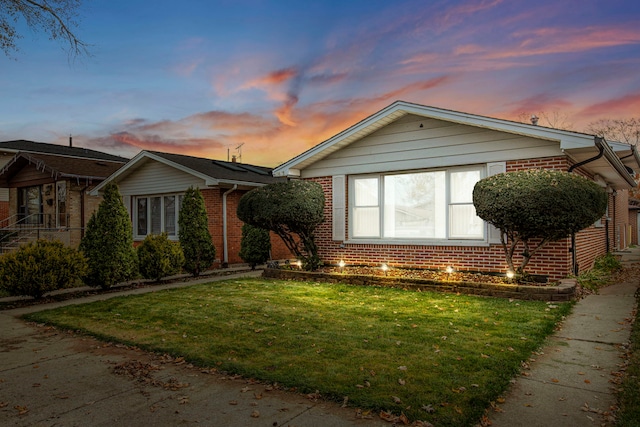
571,381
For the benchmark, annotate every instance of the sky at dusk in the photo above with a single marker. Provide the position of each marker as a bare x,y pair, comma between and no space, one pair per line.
202,77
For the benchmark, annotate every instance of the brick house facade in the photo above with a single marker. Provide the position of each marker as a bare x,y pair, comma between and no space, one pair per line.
398,187
152,185
48,192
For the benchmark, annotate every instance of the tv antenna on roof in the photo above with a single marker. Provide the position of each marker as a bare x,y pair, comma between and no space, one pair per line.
239,150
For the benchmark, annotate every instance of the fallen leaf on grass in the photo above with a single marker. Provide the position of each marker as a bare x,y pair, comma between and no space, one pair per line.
255,414
314,396
183,400
396,400
389,417
21,409
401,381
363,415
233,402
555,380
428,409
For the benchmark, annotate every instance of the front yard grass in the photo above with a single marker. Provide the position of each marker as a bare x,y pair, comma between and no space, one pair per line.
441,358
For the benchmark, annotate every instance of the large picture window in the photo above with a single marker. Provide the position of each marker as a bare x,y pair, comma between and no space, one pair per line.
157,214
435,205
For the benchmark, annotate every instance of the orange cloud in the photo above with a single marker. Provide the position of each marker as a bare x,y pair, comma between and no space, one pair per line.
621,107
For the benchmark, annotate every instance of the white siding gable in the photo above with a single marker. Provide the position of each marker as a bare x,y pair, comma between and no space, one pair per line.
154,177
415,142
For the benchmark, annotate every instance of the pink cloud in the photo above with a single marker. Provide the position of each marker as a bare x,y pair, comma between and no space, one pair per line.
621,107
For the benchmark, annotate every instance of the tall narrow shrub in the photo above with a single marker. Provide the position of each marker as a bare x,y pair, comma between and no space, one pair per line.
40,267
195,239
255,245
108,242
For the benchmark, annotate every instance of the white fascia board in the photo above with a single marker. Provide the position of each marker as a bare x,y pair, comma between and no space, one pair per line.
239,183
139,160
288,167
123,171
567,139
286,172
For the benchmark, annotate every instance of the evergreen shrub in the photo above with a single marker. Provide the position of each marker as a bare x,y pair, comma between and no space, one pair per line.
40,267
108,242
195,239
159,257
255,245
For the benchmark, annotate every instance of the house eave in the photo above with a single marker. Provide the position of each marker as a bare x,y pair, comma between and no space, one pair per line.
139,160
567,139
608,166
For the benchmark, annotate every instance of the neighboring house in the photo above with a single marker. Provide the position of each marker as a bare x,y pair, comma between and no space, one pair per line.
152,185
43,190
399,189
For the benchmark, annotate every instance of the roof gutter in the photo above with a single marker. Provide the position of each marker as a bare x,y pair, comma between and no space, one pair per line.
225,244
599,145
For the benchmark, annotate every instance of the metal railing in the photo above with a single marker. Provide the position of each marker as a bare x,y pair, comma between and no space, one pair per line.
21,229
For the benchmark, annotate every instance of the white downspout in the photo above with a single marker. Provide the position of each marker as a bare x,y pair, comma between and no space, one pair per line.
225,261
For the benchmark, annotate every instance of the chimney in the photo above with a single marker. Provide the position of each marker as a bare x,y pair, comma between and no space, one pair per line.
70,141
233,158
534,120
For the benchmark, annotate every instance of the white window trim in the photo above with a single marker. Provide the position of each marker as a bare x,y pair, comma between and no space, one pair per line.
484,241
134,209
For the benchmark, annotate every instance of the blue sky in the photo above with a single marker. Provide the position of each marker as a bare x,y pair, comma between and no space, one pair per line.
203,77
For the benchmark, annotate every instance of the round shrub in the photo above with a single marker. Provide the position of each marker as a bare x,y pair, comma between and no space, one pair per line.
159,257
40,267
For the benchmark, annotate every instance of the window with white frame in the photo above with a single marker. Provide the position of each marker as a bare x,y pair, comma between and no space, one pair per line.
434,204
157,214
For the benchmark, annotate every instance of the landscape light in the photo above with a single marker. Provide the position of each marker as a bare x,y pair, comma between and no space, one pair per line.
510,274
384,268
449,269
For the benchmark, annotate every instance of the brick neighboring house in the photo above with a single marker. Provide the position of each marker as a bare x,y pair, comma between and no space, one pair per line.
399,183
153,183
43,190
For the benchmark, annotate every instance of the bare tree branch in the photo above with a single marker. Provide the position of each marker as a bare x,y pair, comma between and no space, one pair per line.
619,130
57,18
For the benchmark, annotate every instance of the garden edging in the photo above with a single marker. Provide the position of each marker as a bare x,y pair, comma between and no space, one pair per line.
565,290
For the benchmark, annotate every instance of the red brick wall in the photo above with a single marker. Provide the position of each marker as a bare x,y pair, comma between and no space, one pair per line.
621,215
4,211
554,260
213,203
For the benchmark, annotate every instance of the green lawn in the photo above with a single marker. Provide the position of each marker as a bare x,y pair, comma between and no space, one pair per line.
441,358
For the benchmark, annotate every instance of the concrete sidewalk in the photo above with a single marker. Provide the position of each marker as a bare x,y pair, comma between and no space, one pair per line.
50,377
571,382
